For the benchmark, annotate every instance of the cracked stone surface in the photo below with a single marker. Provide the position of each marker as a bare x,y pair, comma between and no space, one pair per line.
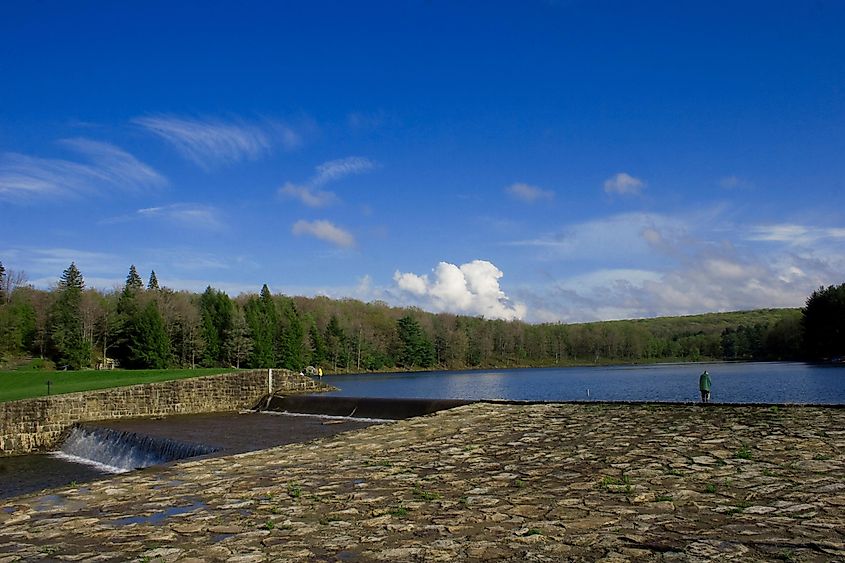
484,482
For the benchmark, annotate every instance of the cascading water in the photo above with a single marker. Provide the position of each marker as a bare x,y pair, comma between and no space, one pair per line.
118,451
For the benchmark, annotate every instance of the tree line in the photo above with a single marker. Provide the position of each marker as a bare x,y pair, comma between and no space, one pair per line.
143,325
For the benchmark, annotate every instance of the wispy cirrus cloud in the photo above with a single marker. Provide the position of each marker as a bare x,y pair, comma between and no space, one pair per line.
794,234
44,266
337,169
623,184
529,193
308,195
324,230
106,166
734,183
311,194
211,143
183,215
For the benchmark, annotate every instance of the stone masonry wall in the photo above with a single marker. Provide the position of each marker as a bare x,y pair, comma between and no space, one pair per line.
37,424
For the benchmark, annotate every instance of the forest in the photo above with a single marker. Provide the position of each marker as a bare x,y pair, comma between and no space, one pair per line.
144,325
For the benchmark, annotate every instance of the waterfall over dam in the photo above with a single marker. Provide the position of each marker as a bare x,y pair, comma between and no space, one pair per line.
93,449
124,451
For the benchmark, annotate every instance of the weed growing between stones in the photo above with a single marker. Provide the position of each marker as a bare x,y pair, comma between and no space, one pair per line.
710,488
294,489
663,498
738,507
269,525
785,555
617,484
400,511
743,453
520,484
424,495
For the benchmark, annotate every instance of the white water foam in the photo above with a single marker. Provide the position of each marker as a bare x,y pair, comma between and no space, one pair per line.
90,462
126,450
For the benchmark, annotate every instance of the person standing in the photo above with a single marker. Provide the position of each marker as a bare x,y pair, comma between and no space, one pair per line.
704,386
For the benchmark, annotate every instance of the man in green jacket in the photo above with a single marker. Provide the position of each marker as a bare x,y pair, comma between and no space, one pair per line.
704,387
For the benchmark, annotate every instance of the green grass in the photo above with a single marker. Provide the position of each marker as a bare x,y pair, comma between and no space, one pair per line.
16,385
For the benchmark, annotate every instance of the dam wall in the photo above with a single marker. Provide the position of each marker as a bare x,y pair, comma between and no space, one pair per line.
37,424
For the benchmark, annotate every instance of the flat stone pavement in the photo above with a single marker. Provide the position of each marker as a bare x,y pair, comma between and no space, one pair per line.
553,482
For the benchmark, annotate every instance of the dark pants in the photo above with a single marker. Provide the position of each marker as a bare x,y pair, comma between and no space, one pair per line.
705,396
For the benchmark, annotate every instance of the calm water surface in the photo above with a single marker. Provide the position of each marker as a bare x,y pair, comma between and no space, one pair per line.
771,382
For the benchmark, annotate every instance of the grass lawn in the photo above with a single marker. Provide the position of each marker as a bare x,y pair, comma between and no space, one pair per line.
16,385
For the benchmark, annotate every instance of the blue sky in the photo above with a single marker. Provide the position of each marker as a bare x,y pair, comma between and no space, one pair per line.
549,161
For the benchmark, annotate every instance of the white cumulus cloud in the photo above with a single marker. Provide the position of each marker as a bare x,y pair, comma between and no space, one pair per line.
529,193
623,184
324,230
471,288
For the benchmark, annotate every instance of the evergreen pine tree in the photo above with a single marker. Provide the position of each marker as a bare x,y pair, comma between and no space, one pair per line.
72,278
238,340
153,283
291,339
128,310
335,339
216,310
824,323
318,346
67,342
417,349
263,323
149,346
133,280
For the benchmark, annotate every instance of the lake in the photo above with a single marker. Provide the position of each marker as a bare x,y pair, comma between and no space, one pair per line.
769,382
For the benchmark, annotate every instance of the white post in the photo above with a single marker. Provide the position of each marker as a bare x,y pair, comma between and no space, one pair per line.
270,381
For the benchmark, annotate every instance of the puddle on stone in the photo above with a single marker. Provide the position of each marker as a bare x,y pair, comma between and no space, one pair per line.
158,518
48,502
347,555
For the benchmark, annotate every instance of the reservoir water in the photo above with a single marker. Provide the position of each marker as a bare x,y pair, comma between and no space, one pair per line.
769,382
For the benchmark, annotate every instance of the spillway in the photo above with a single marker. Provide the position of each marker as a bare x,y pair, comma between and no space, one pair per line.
118,450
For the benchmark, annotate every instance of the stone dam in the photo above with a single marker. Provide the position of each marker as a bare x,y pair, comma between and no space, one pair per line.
38,424
477,482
